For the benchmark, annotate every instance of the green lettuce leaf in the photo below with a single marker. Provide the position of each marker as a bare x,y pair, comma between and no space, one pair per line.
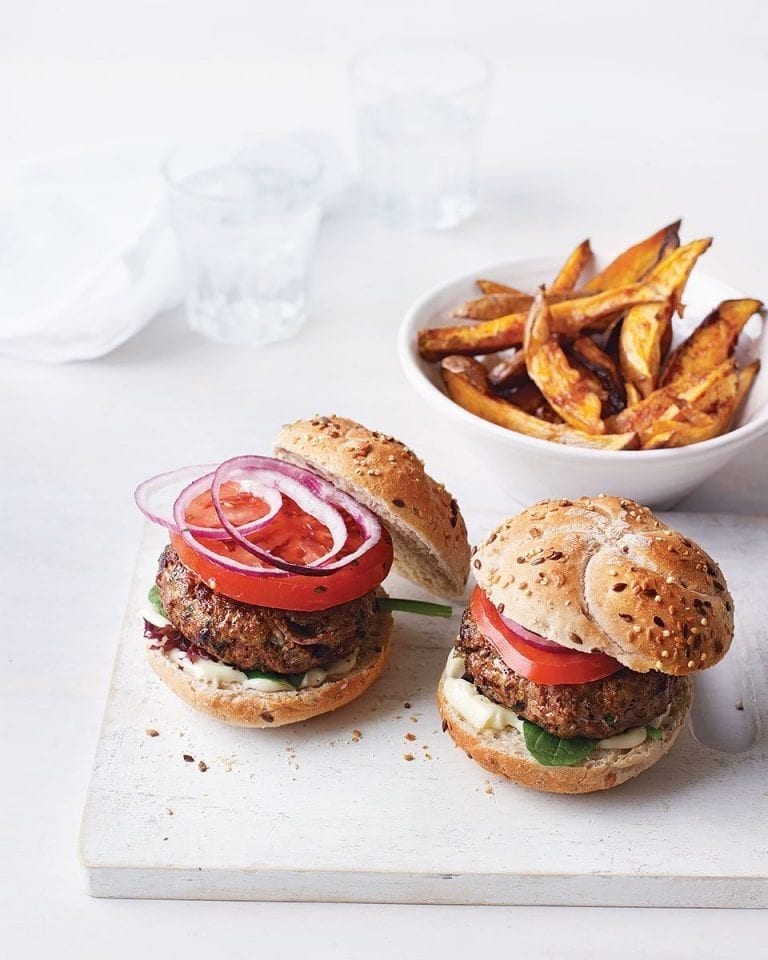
653,732
552,751
157,604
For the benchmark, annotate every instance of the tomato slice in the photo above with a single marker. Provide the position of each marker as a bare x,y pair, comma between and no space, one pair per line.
292,535
540,666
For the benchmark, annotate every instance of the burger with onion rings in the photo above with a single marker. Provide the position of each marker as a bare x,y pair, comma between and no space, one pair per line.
267,608
571,672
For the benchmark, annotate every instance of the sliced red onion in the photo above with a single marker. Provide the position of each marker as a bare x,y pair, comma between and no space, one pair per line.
314,495
184,499
156,497
533,638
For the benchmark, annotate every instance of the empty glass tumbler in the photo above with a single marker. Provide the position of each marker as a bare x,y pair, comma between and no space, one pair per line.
246,219
420,110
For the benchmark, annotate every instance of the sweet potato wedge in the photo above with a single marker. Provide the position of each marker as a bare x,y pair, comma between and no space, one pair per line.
645,328
634,263
569,317
712,342
509,372
495,305
530,399
467,384
589,355
490,286
745,378
566,388
633,394
676,415
572,269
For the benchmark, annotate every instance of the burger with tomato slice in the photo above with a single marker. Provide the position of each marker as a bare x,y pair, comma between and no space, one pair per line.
572,668
267,608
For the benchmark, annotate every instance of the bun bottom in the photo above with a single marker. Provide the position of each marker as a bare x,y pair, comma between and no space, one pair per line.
504,752
252,708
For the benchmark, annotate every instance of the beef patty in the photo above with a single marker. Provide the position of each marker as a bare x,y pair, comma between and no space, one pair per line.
259,638
598,709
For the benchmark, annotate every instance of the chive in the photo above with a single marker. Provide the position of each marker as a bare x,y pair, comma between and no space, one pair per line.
414,606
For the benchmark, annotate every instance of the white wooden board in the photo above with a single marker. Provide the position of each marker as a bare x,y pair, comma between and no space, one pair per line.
332,809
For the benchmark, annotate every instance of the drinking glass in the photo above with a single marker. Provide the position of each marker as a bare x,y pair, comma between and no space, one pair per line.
245,219
420,111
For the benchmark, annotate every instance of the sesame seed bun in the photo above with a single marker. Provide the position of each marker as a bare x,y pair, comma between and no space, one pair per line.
427,528
244,707
504,752
605,575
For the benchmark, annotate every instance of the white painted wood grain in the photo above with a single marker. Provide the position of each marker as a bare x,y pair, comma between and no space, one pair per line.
311,813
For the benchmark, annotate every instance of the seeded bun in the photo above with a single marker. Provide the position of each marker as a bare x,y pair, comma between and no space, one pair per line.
504,752
604,575
427,528
252,708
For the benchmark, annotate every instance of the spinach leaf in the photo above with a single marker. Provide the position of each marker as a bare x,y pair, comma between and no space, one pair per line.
653,732
552,751
293,678
157,604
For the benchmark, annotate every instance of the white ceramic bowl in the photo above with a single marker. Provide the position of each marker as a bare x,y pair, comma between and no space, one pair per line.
530,469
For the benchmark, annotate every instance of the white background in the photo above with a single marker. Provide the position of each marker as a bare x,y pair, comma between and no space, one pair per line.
606,119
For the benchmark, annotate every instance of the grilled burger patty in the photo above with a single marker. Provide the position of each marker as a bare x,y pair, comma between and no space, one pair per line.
259,638
598,709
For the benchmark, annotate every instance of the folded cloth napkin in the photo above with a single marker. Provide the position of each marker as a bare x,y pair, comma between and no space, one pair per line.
87,256
87,253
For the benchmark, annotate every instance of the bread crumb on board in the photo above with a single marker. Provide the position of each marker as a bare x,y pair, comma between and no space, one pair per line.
151,732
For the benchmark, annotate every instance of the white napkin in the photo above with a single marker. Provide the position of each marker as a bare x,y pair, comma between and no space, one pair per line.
87,256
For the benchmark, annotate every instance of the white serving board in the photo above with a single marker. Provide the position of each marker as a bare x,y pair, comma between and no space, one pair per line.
331,809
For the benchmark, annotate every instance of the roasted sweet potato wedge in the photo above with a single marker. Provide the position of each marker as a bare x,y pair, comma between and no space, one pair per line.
529,398
745,378
467,384
712,342
569,317
509,372
495,305
645,328
633,394
634,263
566,388
568,277
587,353
491,286
708,405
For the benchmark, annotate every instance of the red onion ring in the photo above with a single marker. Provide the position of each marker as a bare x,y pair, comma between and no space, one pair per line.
156,497
534,639
186,496
314,495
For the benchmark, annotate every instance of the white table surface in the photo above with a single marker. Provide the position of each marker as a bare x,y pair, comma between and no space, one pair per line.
602,121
